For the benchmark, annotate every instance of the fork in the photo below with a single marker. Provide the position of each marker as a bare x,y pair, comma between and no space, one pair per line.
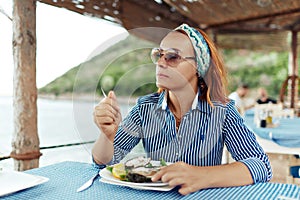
87,184
103,93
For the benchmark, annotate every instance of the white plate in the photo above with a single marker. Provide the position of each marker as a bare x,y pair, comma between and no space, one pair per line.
129,184
104,173
13,181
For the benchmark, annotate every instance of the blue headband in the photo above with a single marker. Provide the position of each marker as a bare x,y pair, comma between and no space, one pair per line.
200,47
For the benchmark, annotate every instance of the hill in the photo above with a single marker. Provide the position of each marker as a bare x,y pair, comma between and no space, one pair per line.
126,67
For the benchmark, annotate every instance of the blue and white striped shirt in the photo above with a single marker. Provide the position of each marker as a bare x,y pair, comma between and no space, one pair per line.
199,140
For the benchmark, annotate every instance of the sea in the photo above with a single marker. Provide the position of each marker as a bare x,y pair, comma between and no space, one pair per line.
61,123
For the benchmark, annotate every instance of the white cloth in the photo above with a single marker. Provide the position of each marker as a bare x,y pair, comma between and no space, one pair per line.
239,103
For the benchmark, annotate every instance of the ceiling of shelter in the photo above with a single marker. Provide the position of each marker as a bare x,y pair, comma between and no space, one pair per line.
252,24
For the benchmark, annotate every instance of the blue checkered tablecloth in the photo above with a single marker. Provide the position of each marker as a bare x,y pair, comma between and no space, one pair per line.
287,133
66,177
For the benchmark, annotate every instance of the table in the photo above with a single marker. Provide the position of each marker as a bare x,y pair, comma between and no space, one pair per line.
280,143
66,177
286,134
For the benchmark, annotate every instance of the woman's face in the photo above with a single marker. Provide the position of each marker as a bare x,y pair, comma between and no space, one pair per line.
184,74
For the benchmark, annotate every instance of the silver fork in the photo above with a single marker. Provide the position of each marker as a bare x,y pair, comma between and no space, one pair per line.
103,93
87,184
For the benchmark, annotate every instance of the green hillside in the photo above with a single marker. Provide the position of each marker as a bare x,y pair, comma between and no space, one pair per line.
126,67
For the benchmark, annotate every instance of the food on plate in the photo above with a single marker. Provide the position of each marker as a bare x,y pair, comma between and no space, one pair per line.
119,172
138,170
137,162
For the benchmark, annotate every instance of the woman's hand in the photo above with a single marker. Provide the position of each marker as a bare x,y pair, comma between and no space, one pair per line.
193,178
107,115
190,178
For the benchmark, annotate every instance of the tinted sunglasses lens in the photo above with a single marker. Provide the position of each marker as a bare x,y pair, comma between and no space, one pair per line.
155,55
172,58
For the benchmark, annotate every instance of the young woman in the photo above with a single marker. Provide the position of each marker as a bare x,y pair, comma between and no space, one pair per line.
187,122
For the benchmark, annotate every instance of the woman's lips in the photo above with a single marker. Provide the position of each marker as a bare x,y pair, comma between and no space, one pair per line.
160,75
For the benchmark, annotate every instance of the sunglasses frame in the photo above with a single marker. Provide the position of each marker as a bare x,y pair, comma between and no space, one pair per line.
168,60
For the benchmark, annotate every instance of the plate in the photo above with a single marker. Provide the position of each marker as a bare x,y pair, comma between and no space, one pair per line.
138,187
104,173
13,181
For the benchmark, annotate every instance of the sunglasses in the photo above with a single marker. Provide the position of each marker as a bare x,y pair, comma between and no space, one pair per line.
171,56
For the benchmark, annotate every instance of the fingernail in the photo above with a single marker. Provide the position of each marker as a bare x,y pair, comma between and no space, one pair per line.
111,94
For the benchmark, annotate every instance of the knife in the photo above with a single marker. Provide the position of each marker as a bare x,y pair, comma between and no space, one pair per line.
87,184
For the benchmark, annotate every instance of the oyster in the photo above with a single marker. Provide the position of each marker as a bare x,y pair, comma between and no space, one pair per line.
137,162
141,169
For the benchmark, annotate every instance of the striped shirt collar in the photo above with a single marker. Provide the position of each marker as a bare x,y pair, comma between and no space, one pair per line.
196,104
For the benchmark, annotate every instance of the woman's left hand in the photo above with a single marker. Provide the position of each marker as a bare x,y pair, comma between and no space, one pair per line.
190,178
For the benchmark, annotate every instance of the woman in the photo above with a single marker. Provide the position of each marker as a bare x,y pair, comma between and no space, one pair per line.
187,122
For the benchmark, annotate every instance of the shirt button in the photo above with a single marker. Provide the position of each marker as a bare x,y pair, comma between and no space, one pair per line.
177,154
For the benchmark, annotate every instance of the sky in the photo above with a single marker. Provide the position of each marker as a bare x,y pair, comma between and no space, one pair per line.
64,40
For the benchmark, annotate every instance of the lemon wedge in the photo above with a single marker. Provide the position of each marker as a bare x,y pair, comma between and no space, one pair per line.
119,172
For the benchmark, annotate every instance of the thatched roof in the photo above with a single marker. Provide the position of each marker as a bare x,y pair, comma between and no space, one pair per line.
234,22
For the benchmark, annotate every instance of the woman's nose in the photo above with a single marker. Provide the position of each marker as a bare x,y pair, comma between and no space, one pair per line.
162,62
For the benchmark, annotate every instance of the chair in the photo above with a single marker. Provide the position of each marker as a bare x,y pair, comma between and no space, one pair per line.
294,170
295,174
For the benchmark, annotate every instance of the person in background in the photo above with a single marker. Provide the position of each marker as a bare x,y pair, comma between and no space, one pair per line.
239,97
264,98
187,122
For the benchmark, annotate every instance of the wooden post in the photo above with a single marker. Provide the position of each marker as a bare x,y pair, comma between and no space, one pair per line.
293,72
25,142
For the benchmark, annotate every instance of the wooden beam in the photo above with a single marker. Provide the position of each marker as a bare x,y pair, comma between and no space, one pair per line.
104,8
293,71
161,10
150,20
238,21
25,143
245,31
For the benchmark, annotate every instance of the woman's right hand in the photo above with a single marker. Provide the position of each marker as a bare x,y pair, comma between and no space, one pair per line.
107,115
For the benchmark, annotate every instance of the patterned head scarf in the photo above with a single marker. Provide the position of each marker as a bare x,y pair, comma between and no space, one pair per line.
201,49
